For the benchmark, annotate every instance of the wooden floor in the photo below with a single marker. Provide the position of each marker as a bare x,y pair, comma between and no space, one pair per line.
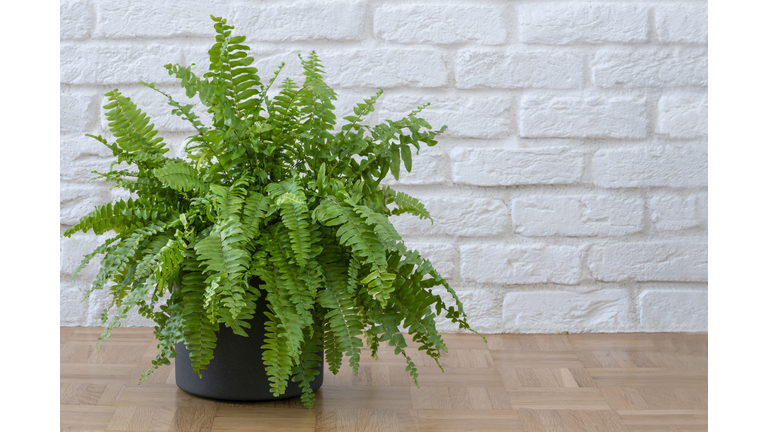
597,382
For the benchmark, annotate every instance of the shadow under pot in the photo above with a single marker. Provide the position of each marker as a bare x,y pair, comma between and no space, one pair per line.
236,371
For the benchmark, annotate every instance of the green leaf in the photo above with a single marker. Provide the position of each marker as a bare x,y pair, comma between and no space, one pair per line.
180,176
405,151
394,165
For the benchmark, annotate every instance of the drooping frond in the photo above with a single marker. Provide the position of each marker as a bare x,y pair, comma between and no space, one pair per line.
294,213
225,261
256,207
383,228
98,251
168,333
342,316
121,216
276,355
199,331
277,243
309,365
355,233
282,306
414,305
119,256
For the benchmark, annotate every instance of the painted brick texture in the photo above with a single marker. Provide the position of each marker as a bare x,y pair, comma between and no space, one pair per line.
569,192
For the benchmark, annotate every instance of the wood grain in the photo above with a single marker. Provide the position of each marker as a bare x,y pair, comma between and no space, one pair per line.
594,382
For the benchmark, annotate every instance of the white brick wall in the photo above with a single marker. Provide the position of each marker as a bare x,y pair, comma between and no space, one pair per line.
569,192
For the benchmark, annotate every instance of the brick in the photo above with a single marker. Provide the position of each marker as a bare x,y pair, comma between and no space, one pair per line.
466,116
327,20
144,18
575,117
78,111
509,167
79,155
155,105
427,169
385,67
440,24
672,165
72,311
118,64
527,69
590,23
482,306
650,67
441,255
74,20
604,310
681,23
520,264
675,211
464,217
680,261
683,115
664,310
197,57
577,215
77,200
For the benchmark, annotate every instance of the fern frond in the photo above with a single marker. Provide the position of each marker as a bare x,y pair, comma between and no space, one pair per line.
309,365
294,213
414,305
256,207
101,249
230,66
406,204
183,111
133,132
119,256
118,216
383,228
168,333
389,331
279,297
224,259
278,246
199,331
353,271
276,356
229,201
355,233
342,316
333,353
180,176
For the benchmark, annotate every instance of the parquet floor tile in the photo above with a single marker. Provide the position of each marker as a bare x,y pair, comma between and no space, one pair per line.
526,383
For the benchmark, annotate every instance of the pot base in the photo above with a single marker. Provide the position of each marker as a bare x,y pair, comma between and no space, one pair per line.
236,371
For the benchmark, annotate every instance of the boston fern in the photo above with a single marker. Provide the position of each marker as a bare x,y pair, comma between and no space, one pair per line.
273,201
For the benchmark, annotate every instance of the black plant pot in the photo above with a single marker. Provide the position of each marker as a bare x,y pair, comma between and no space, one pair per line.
236,371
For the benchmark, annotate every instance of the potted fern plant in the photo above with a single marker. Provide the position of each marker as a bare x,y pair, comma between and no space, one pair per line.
269,247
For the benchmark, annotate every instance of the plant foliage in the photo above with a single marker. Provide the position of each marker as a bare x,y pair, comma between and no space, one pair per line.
273,200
